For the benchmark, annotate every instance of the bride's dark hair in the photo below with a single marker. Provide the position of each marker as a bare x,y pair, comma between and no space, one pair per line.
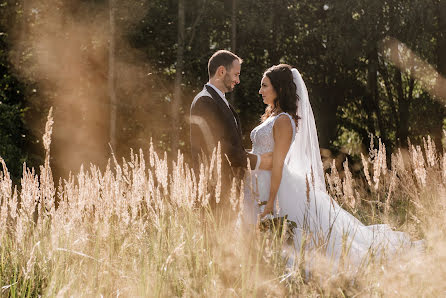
281,79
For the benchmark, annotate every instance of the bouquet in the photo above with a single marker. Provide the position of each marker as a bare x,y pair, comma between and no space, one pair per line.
278,225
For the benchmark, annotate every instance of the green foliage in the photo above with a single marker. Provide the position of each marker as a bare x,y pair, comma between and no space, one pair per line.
356,91
353,87
12,126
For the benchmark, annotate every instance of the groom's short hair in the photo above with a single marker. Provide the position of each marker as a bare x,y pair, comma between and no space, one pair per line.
221,58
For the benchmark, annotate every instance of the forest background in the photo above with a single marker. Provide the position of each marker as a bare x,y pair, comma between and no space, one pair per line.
119,73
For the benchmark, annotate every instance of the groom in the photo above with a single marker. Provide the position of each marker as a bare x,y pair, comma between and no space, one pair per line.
213,120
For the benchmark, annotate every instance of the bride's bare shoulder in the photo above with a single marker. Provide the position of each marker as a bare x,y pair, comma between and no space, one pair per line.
283,120
283,125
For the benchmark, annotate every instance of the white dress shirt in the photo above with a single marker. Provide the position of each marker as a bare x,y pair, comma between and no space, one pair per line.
223,96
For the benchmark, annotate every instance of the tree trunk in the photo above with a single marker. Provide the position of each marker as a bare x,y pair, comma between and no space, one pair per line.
176,104
372,85
327,122
234,26
384,71
274,49
441,57
441,46
233,37
24,21
403,110
111,76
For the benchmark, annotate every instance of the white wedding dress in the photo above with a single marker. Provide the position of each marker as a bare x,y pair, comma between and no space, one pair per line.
326,226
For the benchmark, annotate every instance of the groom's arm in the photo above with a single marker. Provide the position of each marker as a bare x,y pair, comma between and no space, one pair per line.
254,160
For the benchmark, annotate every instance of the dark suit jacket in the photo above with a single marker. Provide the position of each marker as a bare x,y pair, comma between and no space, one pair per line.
212,121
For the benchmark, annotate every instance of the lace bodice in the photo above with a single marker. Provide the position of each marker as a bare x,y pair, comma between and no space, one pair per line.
262,136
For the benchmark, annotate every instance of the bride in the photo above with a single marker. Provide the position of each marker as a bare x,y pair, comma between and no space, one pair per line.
295,187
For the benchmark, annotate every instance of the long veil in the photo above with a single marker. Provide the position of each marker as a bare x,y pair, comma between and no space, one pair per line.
304,157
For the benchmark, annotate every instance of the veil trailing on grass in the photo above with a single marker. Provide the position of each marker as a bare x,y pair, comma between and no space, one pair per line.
321,223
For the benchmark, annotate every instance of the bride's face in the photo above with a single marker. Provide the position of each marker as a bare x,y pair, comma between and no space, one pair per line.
267,91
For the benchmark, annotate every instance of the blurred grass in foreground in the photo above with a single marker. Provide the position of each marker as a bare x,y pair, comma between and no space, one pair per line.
146,229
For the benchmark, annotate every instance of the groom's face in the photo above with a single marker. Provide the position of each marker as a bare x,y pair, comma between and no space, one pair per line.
232,76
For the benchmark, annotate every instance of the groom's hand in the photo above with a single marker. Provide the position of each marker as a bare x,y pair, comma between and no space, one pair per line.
266,161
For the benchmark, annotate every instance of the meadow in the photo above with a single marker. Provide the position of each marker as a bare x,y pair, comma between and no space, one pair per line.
144,228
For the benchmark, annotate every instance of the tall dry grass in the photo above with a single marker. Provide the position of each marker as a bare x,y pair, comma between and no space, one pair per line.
143,227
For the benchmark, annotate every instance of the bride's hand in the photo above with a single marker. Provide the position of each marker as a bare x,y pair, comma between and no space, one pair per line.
269,207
